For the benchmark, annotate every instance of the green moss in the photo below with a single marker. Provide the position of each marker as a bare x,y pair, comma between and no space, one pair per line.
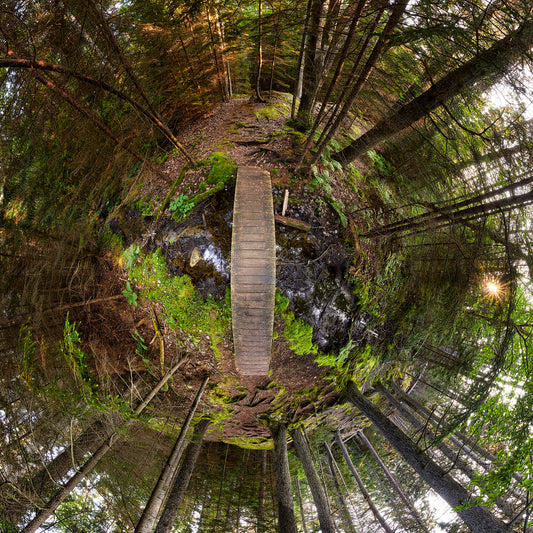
223,168
184,309
298,333
266,112
226,392
256,443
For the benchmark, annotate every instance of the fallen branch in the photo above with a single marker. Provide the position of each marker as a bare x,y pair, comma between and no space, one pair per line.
292,222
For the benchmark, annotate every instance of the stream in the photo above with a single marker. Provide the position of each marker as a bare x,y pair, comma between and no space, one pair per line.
311,266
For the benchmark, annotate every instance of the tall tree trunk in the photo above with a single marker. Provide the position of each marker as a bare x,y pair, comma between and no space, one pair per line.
286,516
175,498
261,525
361,485
114,44
49,476
301,61
454,457
217,60
80,475
310,72
345,513
483,70
461,211
259,50
150,513
338,71
480,455
301,502
34,64
394,482
394,19
477,518
277,39
317,490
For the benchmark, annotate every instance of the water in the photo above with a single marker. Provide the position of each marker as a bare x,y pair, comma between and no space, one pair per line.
311,266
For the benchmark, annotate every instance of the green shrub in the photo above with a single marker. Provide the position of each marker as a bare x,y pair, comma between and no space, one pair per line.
181,206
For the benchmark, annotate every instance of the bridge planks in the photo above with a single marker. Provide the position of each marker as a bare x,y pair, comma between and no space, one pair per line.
253,271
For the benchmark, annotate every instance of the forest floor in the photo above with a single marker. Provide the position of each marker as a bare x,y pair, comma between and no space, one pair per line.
252,134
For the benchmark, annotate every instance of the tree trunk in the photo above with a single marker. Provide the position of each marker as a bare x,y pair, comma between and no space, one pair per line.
310,71
88,442
175,498
259,51
393,481
462,211
261,525
149,515
361,485
345,513
286,516
483,70
338,71
454,457
301,502
301,61
80,475
394,19
113,43
317,490
480,455
478,519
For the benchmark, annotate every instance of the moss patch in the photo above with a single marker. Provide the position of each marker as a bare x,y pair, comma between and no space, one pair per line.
223,168
184,309
298,333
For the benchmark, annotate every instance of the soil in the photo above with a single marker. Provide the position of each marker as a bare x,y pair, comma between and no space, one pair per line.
296,387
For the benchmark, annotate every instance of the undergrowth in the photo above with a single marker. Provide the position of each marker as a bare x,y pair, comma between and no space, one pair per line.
298,333
183,308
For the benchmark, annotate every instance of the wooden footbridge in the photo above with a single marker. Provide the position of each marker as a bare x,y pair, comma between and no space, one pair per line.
253,271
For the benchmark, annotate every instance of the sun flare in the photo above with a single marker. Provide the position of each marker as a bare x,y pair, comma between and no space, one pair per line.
493,288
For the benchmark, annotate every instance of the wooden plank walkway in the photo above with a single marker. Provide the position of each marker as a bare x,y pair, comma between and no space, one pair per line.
253,271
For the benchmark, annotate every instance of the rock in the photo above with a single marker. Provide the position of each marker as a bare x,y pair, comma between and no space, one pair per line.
195,257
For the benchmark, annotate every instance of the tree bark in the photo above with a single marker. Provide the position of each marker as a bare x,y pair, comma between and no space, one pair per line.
175,498
301,61
478,519
361,485
461,211
149,515
317,490
338,71
261,525
483,70
454,457
286,516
